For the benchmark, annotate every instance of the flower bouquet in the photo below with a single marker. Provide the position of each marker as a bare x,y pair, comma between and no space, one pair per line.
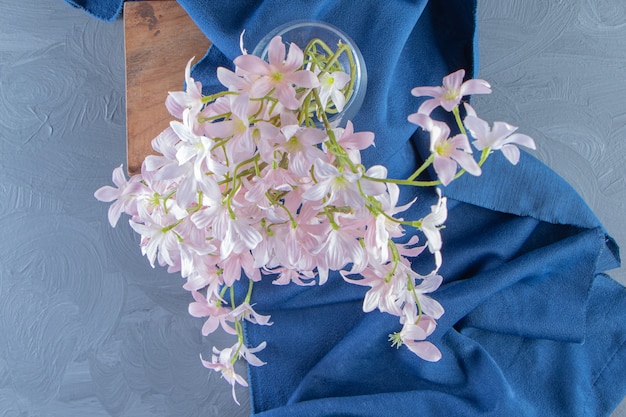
262,181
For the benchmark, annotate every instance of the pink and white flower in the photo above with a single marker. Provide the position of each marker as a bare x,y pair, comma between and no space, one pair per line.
449,95
217,315
279,73
123,197
414,334
177,101
500,137
431,224
448,152
334,187
223,361
330,89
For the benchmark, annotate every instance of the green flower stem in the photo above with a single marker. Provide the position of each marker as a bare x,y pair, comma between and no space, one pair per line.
457,117
253,160
220,143
238,327
395,258
214,118
411,288
232,297
327,126
222,293
245,173
421,169
255,117
249,293
405,182
293,222
237,322
227,200
334,147
331,219
213,97
483,157
236,182
310,51
403,222
167,197
171,226
198,205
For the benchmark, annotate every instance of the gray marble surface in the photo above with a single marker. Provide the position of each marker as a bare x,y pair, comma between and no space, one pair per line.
87,328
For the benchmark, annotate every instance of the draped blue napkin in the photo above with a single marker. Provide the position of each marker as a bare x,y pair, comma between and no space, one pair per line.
533,327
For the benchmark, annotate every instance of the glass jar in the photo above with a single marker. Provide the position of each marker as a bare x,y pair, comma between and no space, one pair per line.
301,32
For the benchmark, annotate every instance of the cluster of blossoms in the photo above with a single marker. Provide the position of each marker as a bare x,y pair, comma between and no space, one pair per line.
255,182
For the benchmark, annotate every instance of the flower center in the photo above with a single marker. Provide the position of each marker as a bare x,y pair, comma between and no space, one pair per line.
276,76
328,81
443,148
451,94
240,127
293,145
341,183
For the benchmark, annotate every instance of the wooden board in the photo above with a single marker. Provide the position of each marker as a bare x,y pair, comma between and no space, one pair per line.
159,38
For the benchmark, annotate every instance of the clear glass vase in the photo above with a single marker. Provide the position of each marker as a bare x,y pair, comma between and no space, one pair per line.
301,32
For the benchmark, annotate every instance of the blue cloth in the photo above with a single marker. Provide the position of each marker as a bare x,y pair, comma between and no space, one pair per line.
533,327
107,10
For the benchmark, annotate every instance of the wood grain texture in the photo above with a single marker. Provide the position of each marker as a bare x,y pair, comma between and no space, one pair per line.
159,38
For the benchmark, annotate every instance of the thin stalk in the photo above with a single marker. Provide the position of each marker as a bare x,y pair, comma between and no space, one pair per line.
459,122
421,169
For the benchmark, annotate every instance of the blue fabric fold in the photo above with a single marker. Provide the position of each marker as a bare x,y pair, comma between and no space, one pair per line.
523,310
106,10
533,327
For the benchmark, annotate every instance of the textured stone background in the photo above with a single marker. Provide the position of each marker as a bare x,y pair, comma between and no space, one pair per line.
87,328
